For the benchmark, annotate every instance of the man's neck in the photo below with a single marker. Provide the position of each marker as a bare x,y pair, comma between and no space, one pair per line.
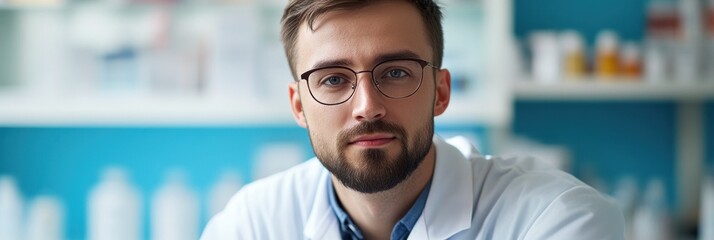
377,213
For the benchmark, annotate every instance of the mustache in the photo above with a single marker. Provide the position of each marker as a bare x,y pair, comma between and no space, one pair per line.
370,127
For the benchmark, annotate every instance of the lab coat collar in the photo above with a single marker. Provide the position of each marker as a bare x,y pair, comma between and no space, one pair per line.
448,207
321,223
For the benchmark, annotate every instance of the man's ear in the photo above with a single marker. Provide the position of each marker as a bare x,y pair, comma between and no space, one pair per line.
443,91
296,104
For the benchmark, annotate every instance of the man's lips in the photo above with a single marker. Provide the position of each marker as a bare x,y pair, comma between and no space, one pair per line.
373,140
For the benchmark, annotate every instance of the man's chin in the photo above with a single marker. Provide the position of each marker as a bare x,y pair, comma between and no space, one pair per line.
377,183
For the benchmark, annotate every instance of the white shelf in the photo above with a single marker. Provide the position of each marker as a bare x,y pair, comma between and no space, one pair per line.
617,89
163,111
476,111
491,108
192,111
31,7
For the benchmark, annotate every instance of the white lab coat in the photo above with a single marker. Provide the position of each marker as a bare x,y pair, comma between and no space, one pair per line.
471,197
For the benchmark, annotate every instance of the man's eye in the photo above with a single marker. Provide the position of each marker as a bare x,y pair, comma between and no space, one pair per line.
396,73
333,81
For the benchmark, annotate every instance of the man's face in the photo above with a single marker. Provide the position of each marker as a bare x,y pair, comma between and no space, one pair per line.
371,142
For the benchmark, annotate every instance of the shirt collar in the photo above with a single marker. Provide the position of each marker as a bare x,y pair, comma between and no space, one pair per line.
348,229
409,220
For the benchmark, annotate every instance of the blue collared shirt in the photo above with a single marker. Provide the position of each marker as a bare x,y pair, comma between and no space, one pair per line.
350,231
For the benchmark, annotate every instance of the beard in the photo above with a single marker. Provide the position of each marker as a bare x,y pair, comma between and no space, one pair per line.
374,171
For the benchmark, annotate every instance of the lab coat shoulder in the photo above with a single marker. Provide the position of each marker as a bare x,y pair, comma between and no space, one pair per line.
528,199
579,212
269,208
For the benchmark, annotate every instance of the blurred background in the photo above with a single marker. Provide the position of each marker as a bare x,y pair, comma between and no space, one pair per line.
138,119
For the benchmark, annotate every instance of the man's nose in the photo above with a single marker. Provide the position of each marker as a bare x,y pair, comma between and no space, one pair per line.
367,102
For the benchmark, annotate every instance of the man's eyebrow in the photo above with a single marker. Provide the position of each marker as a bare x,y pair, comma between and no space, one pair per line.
396,55
332,63
381,58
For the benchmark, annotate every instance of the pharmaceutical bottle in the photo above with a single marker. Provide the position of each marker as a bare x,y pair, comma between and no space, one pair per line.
276,157
607,59
706,222
650,220
631,61
689,48
175,210
709,42
626,196
710,19
11,207
663,20
546,61
114,208
656,62
45,219
574,63
222,191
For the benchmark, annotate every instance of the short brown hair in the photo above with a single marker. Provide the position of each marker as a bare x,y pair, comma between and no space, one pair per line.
300,11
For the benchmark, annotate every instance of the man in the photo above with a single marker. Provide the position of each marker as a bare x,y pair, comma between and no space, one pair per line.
368,85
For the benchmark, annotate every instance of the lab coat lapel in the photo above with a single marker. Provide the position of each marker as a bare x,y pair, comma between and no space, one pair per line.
321,223
450,202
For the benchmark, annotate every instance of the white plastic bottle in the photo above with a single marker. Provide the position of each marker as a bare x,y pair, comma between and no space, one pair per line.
706,224
221,192
650,220
45,219
546,63
175,210
10,209
114,211
689,52
626,196
277,157
657,63
709,42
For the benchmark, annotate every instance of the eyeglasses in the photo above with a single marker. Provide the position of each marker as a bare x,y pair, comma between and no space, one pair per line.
399,78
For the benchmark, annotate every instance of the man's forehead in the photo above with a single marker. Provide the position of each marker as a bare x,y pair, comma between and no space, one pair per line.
373,33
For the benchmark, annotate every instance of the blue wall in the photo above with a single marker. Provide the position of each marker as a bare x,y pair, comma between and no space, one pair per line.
588,17
610,139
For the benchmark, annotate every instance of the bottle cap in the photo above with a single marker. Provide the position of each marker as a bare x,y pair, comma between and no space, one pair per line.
607,41
571,41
